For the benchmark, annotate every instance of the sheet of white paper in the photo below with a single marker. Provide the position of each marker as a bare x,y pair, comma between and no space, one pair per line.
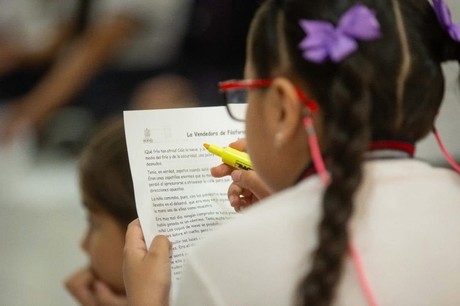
175,193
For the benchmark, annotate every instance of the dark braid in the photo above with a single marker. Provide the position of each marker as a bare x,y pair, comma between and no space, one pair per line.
343,91
345,106
348,136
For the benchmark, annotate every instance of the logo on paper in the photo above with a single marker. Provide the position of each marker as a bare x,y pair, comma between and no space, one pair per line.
147,134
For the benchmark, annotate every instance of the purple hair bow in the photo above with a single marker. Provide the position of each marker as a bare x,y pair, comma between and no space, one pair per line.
443,13
324,41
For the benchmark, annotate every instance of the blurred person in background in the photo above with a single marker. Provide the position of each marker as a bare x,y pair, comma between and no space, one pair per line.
165,91
99,54
31,35
215,45
107,193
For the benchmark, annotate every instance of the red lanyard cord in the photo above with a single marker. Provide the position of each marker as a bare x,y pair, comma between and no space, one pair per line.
449,157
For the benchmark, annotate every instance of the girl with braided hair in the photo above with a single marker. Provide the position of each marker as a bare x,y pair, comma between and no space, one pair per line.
338,93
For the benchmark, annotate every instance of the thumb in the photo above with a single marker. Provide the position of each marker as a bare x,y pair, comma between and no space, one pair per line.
159,254
160,246
251,181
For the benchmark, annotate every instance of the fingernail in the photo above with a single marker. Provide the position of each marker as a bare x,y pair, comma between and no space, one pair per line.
233,199
236,175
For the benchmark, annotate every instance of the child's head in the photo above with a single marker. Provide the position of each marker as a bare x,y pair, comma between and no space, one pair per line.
389,88
108,196
394,83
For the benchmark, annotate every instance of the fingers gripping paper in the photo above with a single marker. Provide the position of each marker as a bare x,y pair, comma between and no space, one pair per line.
174,190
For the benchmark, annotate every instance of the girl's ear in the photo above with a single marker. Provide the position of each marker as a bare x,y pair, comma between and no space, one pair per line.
288,110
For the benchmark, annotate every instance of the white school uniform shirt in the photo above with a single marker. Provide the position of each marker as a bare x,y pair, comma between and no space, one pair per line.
406,227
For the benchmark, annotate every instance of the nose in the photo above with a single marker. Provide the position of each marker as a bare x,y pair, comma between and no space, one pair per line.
84,243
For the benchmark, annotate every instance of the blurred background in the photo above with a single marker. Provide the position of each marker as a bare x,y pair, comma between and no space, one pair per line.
41,218
65,66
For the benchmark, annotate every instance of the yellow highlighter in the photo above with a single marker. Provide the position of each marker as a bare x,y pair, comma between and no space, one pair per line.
230,156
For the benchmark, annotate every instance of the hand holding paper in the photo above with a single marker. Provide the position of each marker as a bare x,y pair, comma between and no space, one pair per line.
175,193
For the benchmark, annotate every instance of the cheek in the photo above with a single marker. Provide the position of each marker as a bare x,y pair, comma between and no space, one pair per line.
105,253
258,139
254,132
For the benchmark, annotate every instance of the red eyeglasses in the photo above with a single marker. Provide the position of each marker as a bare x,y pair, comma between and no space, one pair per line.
235,94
